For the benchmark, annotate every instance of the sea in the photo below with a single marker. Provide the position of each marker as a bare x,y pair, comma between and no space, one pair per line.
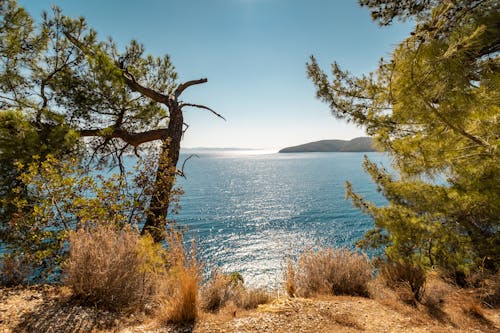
251,211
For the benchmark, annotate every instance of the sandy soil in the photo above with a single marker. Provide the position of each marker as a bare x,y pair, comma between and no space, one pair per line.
50,309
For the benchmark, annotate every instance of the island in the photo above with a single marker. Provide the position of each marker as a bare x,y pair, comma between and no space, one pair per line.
361,144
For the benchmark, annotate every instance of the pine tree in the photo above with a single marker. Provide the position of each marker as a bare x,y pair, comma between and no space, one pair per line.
60,77
434,108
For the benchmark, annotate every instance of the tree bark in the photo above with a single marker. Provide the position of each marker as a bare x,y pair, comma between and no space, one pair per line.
165,176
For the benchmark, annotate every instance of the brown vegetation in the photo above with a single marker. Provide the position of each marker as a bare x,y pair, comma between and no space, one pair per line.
179,299
407,279
113,269
228,289
329,271
14,270
119,269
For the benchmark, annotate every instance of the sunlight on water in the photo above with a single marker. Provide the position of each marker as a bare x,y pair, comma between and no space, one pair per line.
251,212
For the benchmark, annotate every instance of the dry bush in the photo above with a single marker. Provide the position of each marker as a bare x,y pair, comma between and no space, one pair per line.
114,269
181,305
14,270
223,289
329,271
290,281
406,279
436,292
216,292
252,298
488,285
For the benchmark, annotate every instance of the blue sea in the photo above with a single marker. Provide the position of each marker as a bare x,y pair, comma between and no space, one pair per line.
252,210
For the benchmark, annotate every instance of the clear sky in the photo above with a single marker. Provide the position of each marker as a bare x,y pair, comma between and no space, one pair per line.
253,53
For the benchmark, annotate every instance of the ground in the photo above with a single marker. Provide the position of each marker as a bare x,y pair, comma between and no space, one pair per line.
51,309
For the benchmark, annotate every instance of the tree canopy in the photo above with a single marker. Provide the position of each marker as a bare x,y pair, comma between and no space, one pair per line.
65,93
433,106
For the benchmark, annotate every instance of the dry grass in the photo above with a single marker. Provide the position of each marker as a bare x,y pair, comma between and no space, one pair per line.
14,270
436,291
406,279
113,269
216,292
224,289
442,303
489,289
182,307
180,304
252,298
329,271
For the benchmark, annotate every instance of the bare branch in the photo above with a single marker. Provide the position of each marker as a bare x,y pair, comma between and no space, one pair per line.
181,171
148,92
185,85
202,107
185,129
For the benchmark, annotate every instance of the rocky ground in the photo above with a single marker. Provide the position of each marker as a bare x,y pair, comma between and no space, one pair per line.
50,309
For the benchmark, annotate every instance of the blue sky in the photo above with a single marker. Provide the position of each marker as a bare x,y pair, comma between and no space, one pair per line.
253,53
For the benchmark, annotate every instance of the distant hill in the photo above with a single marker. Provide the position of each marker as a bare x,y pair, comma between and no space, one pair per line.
363,144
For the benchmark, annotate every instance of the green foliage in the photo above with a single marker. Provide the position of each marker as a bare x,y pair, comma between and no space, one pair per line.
19,142
46,75
433,106
62,198
66,83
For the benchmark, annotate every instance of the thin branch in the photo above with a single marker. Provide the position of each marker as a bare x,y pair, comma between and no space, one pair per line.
181,171
185,85
202,107
148,92
185,129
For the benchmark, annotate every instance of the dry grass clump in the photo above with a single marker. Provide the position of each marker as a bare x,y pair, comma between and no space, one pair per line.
119,269
405,278
252,298
113,269
224,289
436,292
14,270
329,271
488,287
180,304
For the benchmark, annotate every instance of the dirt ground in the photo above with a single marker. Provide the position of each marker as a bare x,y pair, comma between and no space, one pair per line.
50,309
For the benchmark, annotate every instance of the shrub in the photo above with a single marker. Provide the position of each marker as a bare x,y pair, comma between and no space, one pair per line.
14,270
114,269
489,287
406,278
184,278
223,289
251,298
215,293
329,271
290,283
183,306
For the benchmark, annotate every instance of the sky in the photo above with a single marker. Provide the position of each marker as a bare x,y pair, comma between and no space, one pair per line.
254,54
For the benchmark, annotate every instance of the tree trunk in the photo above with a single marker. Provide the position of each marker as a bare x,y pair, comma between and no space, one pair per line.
165,177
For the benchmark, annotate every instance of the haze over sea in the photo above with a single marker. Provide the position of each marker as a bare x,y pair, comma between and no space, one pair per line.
251,210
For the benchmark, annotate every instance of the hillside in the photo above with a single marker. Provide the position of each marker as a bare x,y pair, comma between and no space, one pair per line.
361,144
